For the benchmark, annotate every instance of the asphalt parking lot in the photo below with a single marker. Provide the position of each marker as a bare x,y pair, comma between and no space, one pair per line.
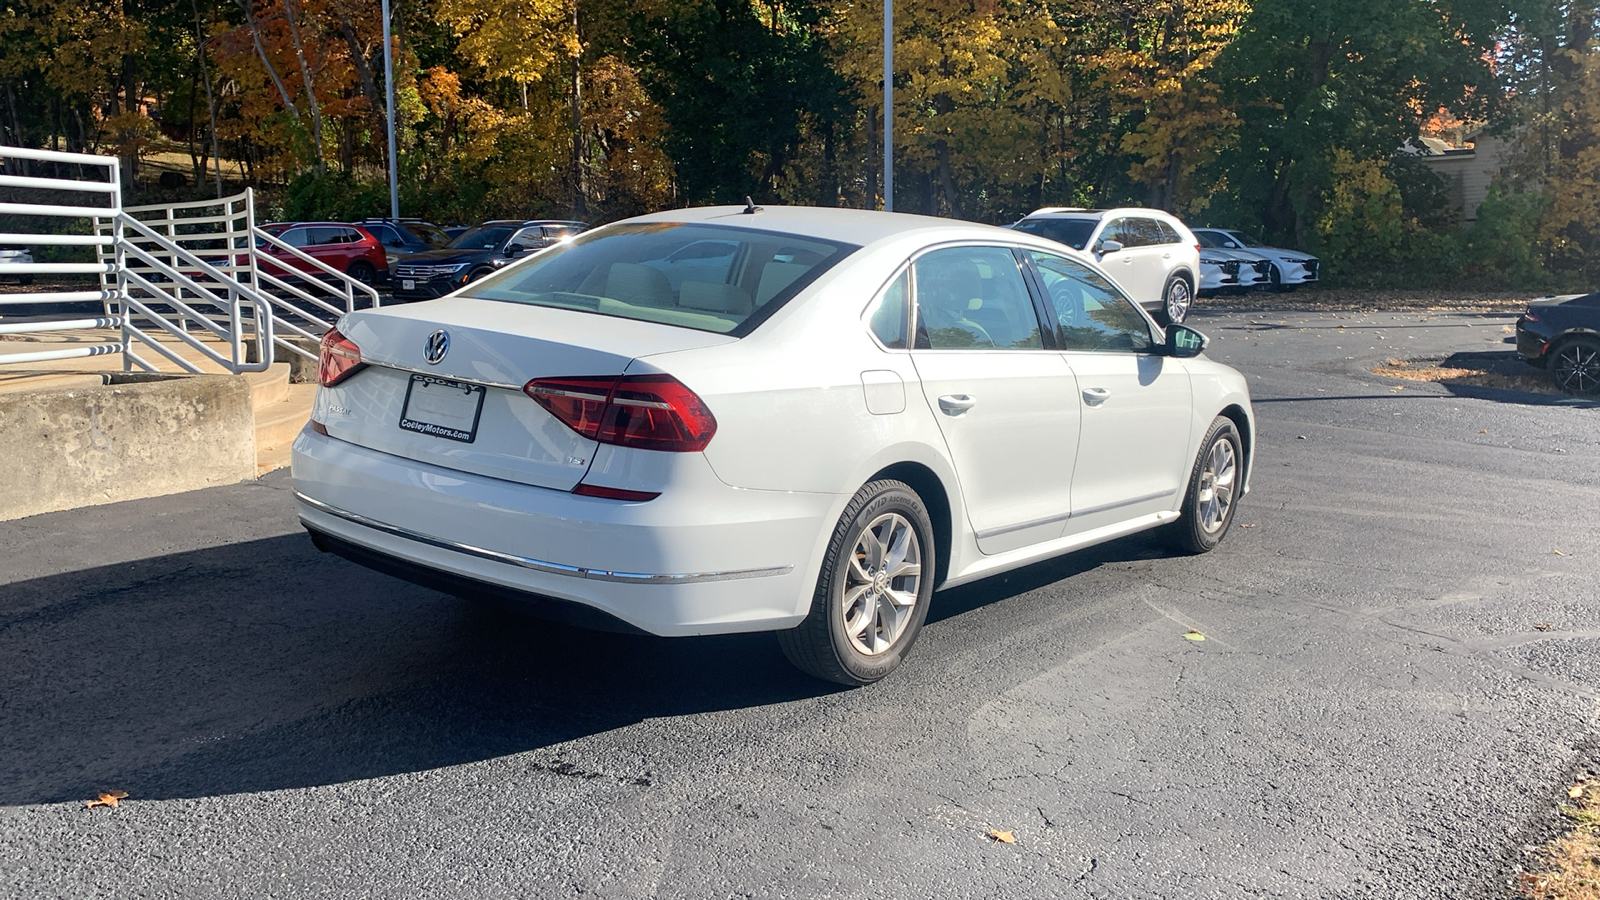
1400,672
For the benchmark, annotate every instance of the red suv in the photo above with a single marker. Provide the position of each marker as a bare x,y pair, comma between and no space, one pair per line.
350,249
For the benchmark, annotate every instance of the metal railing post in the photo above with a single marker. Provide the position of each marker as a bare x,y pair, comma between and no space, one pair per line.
120,261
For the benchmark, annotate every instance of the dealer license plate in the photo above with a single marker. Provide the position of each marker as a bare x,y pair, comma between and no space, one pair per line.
442,408
407,284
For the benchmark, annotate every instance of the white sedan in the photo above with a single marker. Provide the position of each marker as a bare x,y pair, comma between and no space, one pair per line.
810,436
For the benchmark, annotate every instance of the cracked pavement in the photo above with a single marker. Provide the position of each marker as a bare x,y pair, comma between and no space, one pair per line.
1400,671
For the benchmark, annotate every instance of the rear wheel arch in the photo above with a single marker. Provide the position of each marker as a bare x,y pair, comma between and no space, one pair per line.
931,489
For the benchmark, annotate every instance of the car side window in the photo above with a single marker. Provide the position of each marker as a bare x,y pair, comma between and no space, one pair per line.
973,298
296,237
1091,314
1146,232
1117,231
1168,234
888,314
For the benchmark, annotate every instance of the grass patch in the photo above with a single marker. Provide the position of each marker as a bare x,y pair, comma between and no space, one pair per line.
1572,862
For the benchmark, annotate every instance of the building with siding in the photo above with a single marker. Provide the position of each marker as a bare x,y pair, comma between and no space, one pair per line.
1468,171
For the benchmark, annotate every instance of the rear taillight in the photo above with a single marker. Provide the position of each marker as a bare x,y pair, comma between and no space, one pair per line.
339,360
1529,316
648,412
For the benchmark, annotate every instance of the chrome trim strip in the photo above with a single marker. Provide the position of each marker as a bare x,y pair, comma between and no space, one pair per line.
1008,529
1021,526
539,565
1108,506
435,374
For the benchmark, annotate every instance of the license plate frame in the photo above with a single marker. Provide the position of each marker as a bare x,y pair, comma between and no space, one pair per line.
438,393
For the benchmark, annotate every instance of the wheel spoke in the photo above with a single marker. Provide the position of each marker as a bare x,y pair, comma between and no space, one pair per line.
882,580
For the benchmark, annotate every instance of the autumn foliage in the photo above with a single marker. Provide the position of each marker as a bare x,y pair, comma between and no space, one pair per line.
1281,116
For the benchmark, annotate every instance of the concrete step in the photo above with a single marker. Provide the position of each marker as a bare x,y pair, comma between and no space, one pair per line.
269,387
278,423
30,381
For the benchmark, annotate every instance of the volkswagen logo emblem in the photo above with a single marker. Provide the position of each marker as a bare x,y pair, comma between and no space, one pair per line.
438,345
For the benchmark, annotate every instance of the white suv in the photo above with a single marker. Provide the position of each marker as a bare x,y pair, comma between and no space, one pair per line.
1151,255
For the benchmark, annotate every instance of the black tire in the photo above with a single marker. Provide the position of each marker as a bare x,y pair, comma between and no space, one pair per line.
821,645
476,274
1202,524
1575,365
362,271
1275,276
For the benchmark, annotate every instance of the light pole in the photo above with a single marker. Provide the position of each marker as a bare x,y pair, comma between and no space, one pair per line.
388,98
888,105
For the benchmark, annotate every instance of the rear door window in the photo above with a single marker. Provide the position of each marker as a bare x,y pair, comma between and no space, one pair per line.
973,298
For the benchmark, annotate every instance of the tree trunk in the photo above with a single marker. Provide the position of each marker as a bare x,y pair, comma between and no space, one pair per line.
255,35
580,203
310,88
369,84
211,103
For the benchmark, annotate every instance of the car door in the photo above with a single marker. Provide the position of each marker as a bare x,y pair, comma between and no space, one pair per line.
1005,404
1127,265
1133,444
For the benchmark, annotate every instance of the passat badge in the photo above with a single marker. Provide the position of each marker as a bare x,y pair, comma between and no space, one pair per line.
438,345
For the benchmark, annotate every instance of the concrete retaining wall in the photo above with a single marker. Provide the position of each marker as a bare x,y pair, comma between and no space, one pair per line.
139,436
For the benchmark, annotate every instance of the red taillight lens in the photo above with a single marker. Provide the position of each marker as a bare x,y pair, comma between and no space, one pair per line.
609,493
339,360
1529,316
649,412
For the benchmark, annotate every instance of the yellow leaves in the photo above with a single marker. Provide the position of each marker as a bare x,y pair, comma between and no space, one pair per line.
1002,837
106,798
514,39
1194,635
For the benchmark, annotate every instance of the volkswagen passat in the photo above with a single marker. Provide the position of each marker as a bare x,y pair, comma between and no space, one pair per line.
793,420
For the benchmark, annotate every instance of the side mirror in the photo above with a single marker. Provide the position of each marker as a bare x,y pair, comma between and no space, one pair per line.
516,250
1184,342
1110,246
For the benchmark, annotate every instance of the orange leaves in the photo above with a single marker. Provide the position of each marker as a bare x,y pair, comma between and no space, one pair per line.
106,798
1002,837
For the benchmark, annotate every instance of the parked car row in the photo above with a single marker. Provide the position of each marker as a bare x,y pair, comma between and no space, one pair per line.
419,258
1162,263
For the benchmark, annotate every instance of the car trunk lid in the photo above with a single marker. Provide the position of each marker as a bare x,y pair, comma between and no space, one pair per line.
465,409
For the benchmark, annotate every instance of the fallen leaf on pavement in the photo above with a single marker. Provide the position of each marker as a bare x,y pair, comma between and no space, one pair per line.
1300,437
1004,837
1575,791
1247,524
106,798
1558,552
1194,635
1543,626
1485,431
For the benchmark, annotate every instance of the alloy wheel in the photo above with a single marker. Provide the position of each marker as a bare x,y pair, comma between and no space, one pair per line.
883,576
1215,496
1178,301
1577,368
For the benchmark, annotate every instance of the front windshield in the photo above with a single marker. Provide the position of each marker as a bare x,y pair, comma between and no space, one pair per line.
1072,232
1246,239
664,272
1207,239
483,237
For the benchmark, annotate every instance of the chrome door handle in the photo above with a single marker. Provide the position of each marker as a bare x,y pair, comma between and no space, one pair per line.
1096,396
956,404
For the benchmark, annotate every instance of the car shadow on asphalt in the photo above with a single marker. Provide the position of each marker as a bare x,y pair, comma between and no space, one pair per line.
266,665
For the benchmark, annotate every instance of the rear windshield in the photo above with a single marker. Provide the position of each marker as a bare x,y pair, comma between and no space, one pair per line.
705,277
1072,232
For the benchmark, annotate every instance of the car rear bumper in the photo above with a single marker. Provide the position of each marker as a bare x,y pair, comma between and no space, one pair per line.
1531,345
702,558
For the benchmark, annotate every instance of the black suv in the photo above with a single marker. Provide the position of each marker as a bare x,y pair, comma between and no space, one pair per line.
474,254
402,237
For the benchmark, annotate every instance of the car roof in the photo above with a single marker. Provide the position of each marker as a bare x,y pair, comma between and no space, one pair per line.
852,226
303,224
